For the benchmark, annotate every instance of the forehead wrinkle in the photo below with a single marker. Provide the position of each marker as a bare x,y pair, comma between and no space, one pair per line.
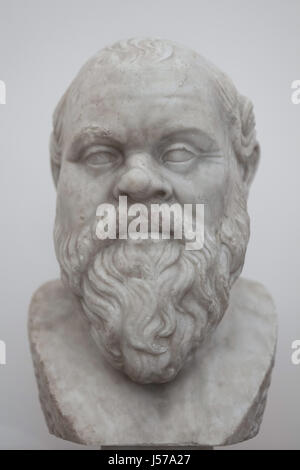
122,133
181,132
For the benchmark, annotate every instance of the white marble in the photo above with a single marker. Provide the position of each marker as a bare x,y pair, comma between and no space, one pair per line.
217,399
152,121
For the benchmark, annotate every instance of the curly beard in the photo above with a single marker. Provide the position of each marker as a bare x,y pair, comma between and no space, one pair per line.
150,303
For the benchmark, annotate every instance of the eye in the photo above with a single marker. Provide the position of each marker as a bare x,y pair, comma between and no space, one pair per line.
101,156
179,154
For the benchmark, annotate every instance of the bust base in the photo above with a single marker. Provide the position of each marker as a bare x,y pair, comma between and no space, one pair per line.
217,399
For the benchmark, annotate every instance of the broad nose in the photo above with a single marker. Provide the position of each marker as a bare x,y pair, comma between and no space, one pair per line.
140,182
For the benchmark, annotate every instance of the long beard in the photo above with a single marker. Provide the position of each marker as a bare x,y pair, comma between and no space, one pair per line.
150,304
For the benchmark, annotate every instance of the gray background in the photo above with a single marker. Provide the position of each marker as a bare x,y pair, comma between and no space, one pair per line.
42,45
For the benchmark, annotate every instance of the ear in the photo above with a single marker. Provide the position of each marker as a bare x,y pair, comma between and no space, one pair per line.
248,149
250,166
55,159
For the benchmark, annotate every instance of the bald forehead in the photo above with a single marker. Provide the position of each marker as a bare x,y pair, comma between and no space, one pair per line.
130,98
99,85
179,73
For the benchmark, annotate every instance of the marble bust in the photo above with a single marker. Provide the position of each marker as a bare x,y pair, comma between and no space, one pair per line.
143,342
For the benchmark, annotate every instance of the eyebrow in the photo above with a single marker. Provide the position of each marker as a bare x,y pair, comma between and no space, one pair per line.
190,132
88,136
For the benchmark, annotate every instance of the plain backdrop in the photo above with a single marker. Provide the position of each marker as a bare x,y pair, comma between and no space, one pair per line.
43,43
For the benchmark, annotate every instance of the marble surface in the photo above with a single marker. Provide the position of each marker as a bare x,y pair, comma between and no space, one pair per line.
218,398
148,342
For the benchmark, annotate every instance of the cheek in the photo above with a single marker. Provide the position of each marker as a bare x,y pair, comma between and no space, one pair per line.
78,196
216,193
208,185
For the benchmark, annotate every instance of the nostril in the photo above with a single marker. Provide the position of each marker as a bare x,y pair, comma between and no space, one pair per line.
161,194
